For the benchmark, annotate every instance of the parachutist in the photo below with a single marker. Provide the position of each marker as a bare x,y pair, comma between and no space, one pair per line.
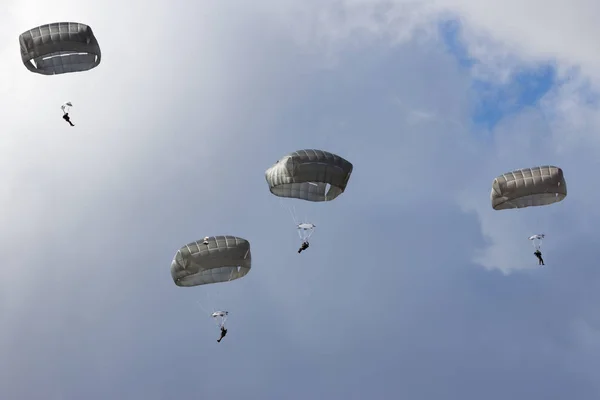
538,254
223,333
68,119
303,247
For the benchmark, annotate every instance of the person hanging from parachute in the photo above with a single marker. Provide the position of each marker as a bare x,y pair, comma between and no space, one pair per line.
220,317
66,108
223,333
537,244
538,254
305,231
303,247
68,119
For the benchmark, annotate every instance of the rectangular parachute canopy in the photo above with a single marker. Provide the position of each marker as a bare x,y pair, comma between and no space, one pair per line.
59,48
213,259
528,187
310,174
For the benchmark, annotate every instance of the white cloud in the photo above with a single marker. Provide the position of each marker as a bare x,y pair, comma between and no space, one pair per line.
505,38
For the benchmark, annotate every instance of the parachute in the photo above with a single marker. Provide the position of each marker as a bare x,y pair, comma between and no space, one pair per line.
305,231
220,317
529,187
312,175
214,259
66,107
59,48
536,240
308,175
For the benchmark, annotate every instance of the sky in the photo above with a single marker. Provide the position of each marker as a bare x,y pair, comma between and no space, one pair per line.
413,286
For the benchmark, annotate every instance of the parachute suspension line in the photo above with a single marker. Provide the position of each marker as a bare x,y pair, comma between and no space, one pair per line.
220,320
210,302
291,209
203,309
296,219
217,294
293,214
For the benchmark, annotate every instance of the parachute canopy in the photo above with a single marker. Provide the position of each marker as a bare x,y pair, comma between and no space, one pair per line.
59,48
66,106
220,317
537,237
312,175
538,186
220,314
305,230
536,240
222,259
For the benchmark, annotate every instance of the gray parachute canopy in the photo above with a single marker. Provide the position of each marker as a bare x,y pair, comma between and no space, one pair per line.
59,48
306,175
528,187
211,260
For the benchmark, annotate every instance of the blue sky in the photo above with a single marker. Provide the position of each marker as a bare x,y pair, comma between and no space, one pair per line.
413,287
494,101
